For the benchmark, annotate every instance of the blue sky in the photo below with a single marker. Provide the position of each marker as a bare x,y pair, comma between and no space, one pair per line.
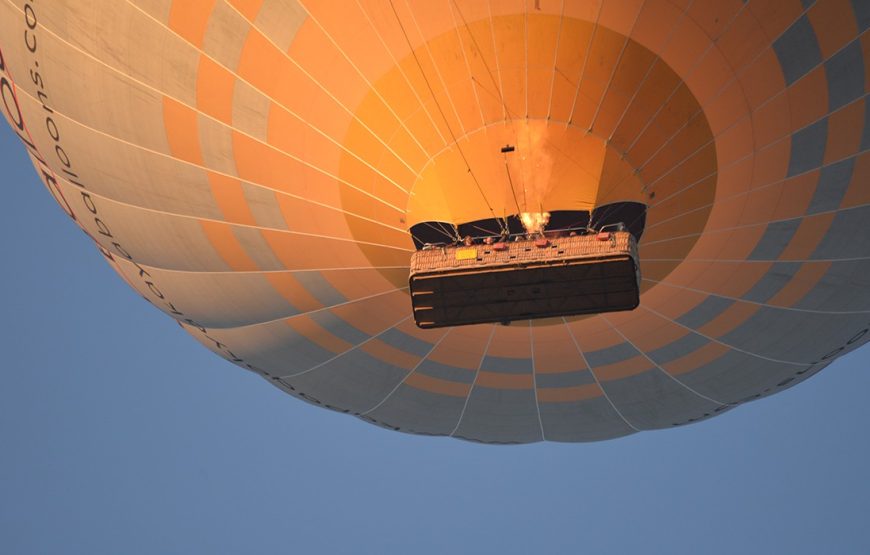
120,434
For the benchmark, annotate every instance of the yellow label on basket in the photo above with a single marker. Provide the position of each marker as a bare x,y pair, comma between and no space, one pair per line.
466,254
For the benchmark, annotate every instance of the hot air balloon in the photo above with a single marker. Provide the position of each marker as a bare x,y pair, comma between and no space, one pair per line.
263,171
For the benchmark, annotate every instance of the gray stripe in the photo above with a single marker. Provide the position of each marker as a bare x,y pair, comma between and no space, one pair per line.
845,72
798,50
777,277
833,183
586,420
653,400
776,238
706,311
257,248
404,342
843,287
679,348
507,365
782,334
354,381
734,376
564,379
445,372
862,14
415,410
319,288
611,355
842,238
338,327
264,207
500,415
808,148
865,135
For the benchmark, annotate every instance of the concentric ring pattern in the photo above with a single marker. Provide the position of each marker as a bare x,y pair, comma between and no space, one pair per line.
253,168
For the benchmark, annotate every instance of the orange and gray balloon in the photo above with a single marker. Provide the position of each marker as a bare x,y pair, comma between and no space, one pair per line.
256,169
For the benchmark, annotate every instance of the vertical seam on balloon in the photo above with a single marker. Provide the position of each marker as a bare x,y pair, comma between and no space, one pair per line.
371,86
500,85
249,10
628,39
435,65
526,54
595,377
642,82
408,375
535,381
680,82
660,369
474,381
438,105
402,72
570,118
467,65
555,59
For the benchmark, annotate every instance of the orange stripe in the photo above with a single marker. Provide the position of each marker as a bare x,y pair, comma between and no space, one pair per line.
189,18
182,131
214,90
434,385
510,342
221,236
499,380
463,348
834,24
808,98
775,16
230,198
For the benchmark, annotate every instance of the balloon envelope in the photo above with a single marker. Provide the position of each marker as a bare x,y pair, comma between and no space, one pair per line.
254,169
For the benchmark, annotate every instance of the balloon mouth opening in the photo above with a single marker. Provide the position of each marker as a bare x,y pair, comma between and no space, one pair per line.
628,216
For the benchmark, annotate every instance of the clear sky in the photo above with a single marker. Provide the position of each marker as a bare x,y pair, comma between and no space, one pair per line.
119,434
